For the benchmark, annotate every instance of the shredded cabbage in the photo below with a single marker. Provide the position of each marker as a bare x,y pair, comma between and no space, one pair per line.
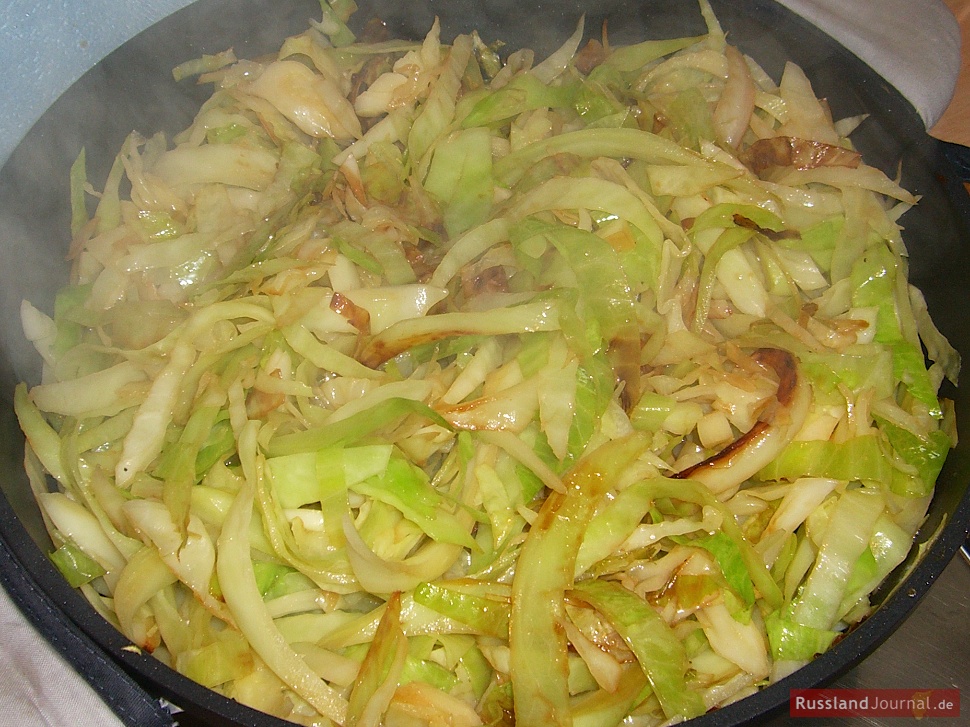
416,384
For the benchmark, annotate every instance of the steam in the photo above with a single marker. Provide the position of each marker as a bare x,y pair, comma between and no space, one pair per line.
129,88
132,89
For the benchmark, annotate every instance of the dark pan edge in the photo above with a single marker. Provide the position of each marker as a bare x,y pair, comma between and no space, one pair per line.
49,593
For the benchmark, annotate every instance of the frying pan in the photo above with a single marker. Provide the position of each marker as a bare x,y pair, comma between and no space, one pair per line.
133,89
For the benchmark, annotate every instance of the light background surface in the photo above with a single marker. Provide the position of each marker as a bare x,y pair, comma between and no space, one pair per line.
45,45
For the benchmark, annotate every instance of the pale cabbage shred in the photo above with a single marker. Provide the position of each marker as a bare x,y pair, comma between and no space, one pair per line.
365,404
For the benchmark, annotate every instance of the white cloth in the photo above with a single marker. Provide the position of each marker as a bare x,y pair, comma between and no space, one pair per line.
45,45
39,688
913,44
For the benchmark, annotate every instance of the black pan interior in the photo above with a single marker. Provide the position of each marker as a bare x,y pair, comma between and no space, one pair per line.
133,89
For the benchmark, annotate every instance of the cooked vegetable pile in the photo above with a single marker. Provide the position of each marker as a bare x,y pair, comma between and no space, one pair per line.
416,383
